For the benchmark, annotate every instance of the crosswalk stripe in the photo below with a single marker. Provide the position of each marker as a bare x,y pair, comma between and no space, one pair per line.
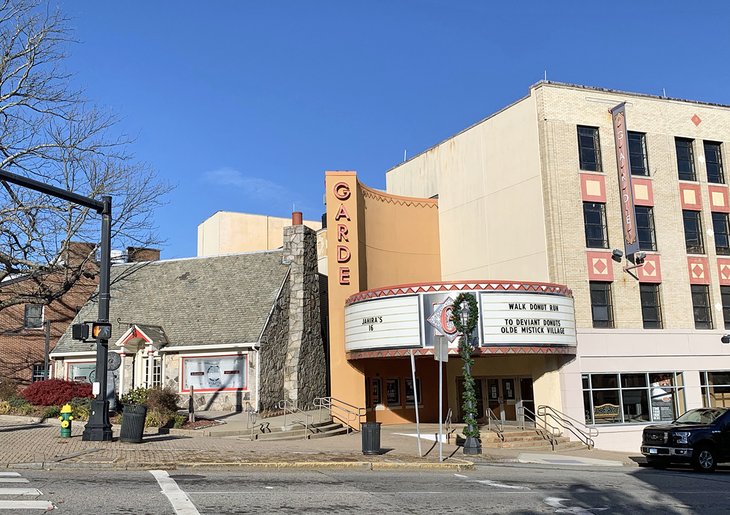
26,505
13,480
9,474
20,491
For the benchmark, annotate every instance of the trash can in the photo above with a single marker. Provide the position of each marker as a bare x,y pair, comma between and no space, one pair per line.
133,418
370,437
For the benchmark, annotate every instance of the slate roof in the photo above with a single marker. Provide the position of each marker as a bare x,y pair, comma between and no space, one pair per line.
196,301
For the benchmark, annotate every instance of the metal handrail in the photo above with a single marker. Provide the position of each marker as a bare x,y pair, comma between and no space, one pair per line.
580,430
447,425
288,407
547,430
349,415
498,426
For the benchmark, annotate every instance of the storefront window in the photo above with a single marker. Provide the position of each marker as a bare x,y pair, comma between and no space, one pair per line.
715,389
632,398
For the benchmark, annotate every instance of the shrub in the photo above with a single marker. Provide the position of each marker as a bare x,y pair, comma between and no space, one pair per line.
135,396
8,388
81,408
179,421
51,412
163,399
55,392
5,407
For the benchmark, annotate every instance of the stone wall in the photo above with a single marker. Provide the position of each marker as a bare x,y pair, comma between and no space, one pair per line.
305,367
273,352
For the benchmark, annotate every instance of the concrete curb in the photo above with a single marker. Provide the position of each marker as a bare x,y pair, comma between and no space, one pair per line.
302,465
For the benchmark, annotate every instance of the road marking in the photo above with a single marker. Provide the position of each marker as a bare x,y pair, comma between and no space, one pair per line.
9,474
26,505
19,491
491,483
557,502
499,485
13,480
181,503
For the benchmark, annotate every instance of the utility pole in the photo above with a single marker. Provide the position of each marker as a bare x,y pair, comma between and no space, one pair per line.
98,428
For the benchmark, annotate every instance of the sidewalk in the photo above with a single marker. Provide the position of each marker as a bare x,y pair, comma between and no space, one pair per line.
27,443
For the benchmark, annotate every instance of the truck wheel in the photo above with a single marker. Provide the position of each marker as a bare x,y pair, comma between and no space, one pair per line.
704,459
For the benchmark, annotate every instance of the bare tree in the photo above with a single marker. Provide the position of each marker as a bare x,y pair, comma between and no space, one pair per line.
50,133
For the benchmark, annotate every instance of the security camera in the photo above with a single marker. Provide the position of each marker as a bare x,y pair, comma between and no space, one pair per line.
639,258
617,255
725,338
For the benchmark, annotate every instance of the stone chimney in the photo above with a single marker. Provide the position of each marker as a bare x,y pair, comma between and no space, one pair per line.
304,367
139,254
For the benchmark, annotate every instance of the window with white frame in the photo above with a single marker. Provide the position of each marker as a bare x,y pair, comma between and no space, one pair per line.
633,398
33,316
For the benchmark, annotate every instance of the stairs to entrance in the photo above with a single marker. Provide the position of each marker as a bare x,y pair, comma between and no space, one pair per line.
518,438
297,431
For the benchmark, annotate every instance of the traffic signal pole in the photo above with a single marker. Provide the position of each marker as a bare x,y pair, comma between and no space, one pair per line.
98,428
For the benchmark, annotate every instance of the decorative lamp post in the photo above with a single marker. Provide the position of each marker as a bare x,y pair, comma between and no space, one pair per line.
465,316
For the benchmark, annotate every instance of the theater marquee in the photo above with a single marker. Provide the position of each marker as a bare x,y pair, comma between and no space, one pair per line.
511,315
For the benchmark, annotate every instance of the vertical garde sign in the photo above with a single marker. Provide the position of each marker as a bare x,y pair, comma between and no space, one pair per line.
628,214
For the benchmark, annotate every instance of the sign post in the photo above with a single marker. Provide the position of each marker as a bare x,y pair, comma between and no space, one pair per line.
441,354
415,403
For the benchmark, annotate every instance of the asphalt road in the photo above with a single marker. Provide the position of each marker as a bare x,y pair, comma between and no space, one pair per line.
503,488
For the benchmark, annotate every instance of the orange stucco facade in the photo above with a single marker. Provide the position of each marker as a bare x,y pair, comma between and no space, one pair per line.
374,239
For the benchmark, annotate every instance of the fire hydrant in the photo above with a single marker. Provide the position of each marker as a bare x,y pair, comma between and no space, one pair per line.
66,419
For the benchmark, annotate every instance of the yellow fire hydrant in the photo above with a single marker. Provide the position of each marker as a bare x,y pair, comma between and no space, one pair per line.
66,419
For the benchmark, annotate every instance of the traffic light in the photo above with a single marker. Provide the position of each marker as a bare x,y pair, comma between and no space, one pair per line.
101,330
80,332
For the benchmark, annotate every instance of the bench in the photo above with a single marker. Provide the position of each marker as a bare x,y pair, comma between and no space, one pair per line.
606,412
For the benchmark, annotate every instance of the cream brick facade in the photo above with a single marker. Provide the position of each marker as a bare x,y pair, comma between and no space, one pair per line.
511,208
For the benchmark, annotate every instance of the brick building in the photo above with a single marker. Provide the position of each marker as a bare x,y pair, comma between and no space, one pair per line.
23,326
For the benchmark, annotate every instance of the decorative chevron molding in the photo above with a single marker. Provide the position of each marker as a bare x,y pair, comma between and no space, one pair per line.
397,200
495,349
502,286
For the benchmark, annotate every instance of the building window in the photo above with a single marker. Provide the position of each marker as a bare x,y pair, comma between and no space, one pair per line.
589,149
721,227
715,389
651,309
693,232
33,318
601,306
637,153
633,398
685,159
594,216
410,395
701,306
156,371
645,227
39,373
713,161
725,296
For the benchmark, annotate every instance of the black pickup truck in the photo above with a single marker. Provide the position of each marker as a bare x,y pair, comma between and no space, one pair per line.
700,437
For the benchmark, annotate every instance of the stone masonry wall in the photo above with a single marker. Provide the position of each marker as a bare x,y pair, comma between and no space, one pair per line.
305,368
273,352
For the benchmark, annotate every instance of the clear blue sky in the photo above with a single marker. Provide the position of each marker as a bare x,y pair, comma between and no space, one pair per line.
244,105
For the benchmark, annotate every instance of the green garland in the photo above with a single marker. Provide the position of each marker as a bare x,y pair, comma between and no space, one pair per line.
469,406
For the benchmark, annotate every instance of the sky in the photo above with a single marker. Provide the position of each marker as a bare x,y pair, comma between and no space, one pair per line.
244,105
